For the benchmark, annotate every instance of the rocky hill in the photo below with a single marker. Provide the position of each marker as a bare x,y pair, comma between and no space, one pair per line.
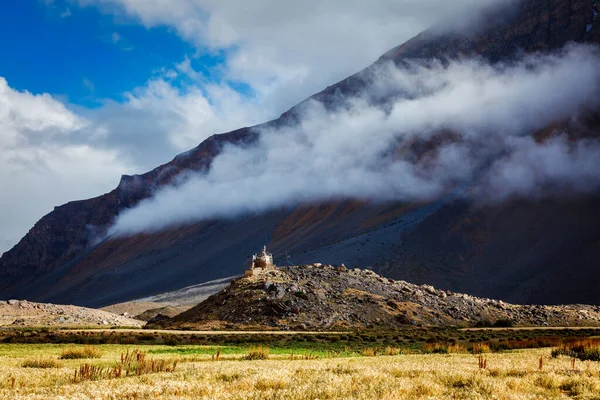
542,251
326,297
18,314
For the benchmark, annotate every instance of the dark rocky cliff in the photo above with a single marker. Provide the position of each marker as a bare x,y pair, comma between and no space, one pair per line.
60,259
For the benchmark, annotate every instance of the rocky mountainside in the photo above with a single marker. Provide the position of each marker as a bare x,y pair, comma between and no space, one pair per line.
326,297
526,251
15,314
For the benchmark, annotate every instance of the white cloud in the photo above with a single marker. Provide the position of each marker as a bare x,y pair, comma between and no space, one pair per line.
22,114
286,50
39,168
188,116
50,154
534,169
353,152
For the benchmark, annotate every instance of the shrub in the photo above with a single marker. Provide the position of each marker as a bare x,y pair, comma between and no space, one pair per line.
503,323
577,387
479,348
75,353
459,381
391,351
343,370
41,363
171,341
369,352
456,348
516,373
422,390
580,352
589,354
88,372
557,352
229,377
546,381
257,353
484,323
134,363
436,348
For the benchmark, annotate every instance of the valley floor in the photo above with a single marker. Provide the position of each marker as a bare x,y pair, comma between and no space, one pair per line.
509,375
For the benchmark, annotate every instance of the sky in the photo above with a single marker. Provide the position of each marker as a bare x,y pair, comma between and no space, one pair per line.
94,89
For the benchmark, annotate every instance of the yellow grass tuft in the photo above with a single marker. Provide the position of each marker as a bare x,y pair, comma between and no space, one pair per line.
77,353
269,384
479,348
42,363
131,364
257,353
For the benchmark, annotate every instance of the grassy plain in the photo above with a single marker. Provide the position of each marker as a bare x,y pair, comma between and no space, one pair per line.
309,368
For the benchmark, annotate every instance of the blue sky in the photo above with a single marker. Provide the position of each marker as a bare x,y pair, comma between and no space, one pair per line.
82,55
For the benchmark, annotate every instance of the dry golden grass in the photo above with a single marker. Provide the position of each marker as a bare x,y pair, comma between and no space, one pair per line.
77,353
41,363
257,353
511,375
481,348
131,364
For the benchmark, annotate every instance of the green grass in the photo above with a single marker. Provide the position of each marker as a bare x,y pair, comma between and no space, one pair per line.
242,350
409,340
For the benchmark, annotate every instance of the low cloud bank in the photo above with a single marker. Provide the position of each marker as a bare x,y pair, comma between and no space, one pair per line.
465,124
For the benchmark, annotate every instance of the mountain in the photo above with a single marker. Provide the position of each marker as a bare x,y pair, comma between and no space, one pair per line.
325,297
526,251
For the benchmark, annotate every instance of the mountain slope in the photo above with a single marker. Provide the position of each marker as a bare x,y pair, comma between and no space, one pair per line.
444,242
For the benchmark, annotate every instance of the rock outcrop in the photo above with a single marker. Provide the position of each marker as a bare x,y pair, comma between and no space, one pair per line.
327,297
20,314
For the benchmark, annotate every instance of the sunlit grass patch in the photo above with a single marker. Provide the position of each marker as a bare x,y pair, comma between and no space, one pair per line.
77,353
410,375
131,364
41,363
269,384
257,353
